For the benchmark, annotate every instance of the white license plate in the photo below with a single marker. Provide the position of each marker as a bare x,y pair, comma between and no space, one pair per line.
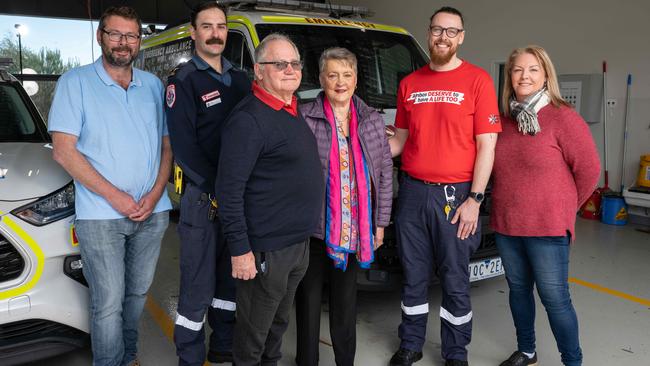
486,268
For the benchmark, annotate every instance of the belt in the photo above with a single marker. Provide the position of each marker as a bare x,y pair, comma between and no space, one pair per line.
429,183
204,196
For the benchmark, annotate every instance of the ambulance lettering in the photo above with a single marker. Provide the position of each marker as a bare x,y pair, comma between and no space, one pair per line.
437,96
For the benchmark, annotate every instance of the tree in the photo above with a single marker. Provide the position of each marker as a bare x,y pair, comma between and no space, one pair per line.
44,61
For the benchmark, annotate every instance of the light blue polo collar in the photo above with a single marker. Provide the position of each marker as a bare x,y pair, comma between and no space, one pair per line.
108,80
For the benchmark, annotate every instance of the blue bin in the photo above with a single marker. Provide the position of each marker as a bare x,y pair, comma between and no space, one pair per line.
613,210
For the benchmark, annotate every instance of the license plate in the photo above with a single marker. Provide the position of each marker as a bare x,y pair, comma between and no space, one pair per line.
487,268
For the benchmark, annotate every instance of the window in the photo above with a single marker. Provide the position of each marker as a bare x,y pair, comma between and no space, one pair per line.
237,52
383,58
17,123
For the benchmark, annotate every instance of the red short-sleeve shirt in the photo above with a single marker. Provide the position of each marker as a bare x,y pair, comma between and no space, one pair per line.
443,112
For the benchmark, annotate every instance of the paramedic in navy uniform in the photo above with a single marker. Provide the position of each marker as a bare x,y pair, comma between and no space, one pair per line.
200,95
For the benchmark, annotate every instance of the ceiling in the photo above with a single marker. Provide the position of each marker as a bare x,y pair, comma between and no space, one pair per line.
151,11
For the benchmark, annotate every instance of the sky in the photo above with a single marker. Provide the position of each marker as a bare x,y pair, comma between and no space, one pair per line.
72,37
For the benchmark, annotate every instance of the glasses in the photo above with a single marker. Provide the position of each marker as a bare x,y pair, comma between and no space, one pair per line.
451,32
282,65
116,36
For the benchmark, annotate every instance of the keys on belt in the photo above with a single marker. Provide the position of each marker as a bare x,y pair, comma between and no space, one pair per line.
450,197
212,208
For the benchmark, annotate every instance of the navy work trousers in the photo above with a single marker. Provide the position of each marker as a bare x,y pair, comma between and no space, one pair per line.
427,241
206,282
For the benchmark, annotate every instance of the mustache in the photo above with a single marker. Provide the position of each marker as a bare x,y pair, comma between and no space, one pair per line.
215,40
121,49
442,41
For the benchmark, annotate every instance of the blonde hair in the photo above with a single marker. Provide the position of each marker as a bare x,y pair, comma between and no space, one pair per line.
552,85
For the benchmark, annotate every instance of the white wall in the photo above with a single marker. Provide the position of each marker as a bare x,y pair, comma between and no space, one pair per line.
578,34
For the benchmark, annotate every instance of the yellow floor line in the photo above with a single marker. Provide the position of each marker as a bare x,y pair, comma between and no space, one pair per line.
609,291
163,320
167,325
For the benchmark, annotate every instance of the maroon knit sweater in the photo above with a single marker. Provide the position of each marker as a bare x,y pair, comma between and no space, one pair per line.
540,181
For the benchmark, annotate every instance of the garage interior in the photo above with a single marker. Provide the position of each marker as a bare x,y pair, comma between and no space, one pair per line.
609,278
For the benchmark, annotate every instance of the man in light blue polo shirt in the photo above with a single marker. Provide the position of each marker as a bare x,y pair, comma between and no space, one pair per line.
109,132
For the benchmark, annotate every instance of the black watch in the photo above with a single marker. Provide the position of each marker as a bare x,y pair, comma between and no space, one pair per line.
477,196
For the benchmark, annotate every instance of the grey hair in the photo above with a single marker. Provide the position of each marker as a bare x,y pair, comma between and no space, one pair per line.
339,54
260,51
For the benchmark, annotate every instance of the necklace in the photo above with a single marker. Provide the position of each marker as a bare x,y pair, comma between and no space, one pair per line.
344,119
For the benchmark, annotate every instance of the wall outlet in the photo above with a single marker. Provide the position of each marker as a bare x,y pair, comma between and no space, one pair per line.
611,103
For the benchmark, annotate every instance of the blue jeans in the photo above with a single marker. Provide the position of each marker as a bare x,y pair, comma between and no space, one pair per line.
119,260
542,261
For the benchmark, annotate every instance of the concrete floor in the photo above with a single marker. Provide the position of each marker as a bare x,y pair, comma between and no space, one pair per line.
610,290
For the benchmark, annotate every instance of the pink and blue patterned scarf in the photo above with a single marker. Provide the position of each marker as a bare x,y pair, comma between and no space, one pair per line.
348,212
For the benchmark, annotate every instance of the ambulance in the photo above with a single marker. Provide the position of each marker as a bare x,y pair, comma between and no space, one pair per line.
43,294
385,55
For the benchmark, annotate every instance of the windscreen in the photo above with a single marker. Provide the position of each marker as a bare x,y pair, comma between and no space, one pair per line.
384,58
16,122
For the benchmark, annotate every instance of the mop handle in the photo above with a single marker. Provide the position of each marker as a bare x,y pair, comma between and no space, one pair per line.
605,123
627,112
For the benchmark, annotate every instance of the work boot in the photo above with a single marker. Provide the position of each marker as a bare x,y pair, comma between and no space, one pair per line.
453,362
519,359
219,356
405,357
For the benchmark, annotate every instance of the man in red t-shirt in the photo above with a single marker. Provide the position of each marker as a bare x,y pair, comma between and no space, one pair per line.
447,124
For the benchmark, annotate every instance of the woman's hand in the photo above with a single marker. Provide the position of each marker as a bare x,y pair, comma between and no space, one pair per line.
379,237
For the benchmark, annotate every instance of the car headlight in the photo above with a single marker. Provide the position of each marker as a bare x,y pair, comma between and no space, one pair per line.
48,209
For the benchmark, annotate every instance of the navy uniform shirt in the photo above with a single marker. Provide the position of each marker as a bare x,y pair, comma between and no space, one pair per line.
197,102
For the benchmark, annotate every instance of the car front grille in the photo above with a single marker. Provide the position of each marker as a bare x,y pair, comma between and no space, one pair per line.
11,262
36,339
27,329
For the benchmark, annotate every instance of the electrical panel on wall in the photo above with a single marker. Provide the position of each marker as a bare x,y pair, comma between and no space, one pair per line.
585,93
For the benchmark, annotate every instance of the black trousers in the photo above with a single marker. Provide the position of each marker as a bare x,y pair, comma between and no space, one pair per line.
264,304
427,242
206,282
342,305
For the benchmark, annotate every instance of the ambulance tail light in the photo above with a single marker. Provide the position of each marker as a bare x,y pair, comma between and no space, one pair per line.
48,209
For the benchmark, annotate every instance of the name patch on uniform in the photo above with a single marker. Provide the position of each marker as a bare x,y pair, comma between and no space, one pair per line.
210,95
213,102
437,96
170,96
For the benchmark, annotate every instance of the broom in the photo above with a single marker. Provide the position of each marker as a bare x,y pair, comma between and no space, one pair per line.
591,208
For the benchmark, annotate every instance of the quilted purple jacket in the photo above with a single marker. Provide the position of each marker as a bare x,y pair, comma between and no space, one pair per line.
375,149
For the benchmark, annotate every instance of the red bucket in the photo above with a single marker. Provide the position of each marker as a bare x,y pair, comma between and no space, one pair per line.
591,209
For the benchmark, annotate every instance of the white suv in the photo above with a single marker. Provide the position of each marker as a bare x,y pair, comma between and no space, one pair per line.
43,294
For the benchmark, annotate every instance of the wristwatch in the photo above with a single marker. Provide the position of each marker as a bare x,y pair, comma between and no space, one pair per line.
477,196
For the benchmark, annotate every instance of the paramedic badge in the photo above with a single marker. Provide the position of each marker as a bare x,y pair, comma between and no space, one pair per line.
493,119
170,96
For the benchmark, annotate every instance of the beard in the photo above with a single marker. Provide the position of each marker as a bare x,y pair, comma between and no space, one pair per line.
114,60
442,58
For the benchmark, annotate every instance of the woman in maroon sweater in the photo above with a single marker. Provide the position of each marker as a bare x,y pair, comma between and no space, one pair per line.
546,166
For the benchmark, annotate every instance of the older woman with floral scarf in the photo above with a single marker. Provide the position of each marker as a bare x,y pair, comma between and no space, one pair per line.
358,169
546,166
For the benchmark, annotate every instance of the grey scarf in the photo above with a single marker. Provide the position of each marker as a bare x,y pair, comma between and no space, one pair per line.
525,113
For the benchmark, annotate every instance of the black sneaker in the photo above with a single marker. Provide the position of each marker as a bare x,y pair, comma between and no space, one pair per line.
520,359
219,356
405,357
453,362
